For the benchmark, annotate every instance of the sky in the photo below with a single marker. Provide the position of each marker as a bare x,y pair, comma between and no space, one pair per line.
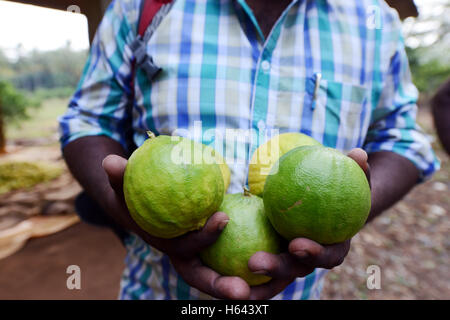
46,29
40,28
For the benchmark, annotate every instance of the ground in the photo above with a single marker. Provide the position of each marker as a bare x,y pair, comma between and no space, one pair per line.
39,270
409,242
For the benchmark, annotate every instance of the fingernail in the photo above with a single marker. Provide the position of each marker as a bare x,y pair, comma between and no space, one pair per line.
301,253
103,162
261,272
223,224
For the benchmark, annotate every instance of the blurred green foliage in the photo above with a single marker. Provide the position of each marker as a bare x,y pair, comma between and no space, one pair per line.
37,71
13,103
428,74
59,92
32,78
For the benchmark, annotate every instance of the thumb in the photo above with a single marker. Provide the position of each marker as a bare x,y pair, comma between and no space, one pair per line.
360,157
193,242
114,167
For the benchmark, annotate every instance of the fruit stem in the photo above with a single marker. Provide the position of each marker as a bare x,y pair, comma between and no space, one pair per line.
247,192
151,135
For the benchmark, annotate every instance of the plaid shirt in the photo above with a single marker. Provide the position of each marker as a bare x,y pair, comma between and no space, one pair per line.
335,70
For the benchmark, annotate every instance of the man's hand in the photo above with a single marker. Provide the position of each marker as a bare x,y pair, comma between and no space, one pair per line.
302,258
182,251
84,158
303,255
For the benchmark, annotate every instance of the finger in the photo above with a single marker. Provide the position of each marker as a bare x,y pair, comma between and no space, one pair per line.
233,288
192,243
311,253
114,167
195,274
269,290
360,157
279,266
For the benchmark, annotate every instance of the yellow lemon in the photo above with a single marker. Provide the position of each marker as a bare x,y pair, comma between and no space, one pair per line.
268,154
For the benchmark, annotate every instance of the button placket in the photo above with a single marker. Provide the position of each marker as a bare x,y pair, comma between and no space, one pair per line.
265,66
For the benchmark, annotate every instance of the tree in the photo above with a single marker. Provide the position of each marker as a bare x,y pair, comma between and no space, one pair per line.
427,75
48,69
6,70
13,106
427,42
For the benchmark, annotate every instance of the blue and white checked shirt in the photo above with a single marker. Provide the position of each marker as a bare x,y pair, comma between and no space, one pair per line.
335,70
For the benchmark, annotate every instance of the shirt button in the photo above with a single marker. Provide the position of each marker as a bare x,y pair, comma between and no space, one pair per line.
265,65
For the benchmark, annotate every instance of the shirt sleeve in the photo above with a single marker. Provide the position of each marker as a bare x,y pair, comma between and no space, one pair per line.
98,106
393,125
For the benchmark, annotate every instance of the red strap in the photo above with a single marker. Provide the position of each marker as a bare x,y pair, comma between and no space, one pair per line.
150,8
148,12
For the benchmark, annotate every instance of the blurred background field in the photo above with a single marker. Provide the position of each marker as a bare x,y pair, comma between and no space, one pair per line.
41,125
409,242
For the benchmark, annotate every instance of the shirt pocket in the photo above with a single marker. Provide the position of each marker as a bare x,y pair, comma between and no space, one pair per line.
340,112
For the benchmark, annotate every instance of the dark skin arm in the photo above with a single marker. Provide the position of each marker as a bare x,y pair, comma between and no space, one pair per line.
392,177
440,105
98,164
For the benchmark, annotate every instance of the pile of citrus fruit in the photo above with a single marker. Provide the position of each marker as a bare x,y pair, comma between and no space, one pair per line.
298,188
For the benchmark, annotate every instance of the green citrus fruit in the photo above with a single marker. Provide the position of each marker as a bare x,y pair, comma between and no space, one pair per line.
317,193
268,154
172,185
247,232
